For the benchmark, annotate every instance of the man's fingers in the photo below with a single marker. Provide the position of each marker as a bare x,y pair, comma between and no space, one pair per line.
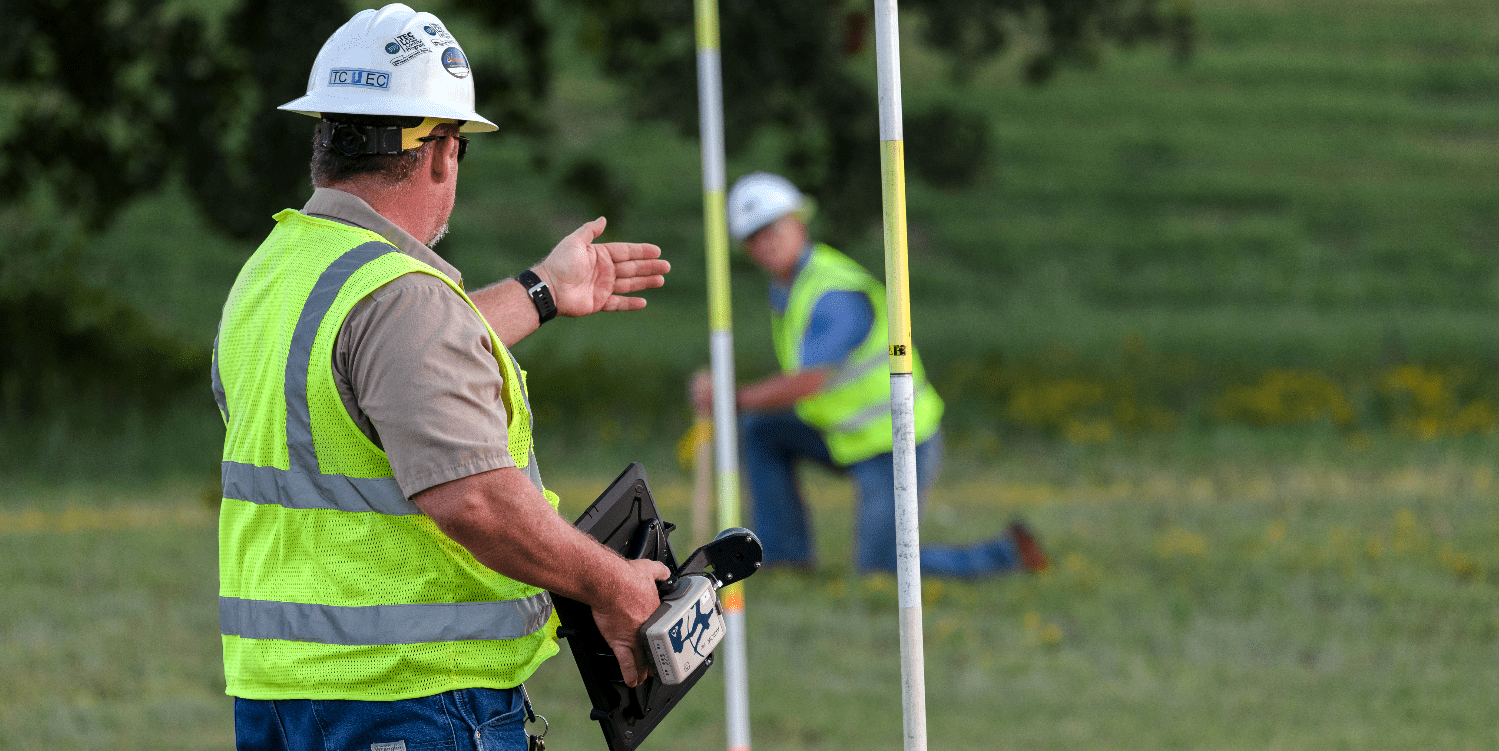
618,304
644,267
624,251
628,666
628,284
637,662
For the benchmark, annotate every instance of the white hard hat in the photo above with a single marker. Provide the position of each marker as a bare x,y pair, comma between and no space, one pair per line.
395,62
759,198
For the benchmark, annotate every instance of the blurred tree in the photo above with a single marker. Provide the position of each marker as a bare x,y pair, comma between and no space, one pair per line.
107,101
110,100
109,95
785,69
116,98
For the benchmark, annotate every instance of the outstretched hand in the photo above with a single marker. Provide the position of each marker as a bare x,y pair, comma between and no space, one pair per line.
587,277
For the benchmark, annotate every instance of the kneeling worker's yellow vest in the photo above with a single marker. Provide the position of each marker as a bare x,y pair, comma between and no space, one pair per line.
332,584
852,411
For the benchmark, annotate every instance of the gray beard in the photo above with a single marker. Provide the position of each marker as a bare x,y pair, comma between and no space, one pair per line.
441,233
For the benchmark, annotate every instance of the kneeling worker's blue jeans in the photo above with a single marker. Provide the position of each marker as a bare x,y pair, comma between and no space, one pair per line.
474,719
775,443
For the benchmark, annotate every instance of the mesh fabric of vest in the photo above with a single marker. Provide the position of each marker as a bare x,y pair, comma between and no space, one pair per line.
332,557
852,412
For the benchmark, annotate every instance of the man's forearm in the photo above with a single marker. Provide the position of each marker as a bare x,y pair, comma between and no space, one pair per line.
508,309
508,526
780,391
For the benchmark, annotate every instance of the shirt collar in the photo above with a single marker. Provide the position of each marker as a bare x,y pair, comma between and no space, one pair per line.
801,263
347,208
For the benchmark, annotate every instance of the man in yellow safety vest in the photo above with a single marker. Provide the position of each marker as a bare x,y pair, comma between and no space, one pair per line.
831,401
386,543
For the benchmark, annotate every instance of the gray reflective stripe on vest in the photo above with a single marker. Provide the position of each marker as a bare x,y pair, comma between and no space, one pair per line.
219,397
863,418
533,473
876,412
303,486
853,371
383,624
299,446
299,490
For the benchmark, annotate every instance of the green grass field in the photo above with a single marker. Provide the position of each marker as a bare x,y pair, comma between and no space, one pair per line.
1252,595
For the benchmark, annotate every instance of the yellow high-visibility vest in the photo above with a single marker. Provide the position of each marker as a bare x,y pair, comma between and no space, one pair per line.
333,584
852,411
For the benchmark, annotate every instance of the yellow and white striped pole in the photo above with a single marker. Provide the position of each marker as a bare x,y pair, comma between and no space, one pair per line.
902,387
721,354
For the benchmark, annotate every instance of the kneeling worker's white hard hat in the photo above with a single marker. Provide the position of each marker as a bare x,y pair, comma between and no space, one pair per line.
394,62
758,199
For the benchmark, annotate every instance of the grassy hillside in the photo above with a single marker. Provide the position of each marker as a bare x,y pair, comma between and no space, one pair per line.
1315,165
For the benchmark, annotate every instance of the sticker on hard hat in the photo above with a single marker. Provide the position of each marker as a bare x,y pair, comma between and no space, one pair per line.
455,62
372,79
443,38
410,45
399,61
408,42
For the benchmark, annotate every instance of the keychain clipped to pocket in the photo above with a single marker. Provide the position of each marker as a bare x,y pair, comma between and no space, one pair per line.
534,742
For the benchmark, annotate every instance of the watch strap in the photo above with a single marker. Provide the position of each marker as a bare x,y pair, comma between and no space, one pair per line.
540,293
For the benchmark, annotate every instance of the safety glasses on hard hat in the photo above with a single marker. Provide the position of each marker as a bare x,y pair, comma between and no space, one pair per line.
462,143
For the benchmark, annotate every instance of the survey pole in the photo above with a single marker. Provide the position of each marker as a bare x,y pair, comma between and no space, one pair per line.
721,358
902,386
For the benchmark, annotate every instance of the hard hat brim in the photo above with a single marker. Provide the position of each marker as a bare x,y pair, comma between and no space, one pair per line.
325,101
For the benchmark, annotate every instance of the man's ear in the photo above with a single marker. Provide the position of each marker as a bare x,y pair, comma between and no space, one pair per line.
444,159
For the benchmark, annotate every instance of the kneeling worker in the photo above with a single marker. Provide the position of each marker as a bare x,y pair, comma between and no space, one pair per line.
831,402
386,544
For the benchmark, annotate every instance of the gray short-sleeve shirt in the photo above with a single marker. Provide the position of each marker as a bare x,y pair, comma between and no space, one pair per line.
415,366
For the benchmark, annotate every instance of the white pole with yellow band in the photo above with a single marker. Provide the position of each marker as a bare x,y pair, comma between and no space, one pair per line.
721,354
902,385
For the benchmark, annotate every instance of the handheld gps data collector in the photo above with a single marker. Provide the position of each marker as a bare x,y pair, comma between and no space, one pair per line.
679,637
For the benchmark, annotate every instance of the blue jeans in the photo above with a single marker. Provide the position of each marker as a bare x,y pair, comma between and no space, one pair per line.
775,443
474,719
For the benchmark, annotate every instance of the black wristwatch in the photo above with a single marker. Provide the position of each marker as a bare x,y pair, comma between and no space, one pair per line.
540,292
